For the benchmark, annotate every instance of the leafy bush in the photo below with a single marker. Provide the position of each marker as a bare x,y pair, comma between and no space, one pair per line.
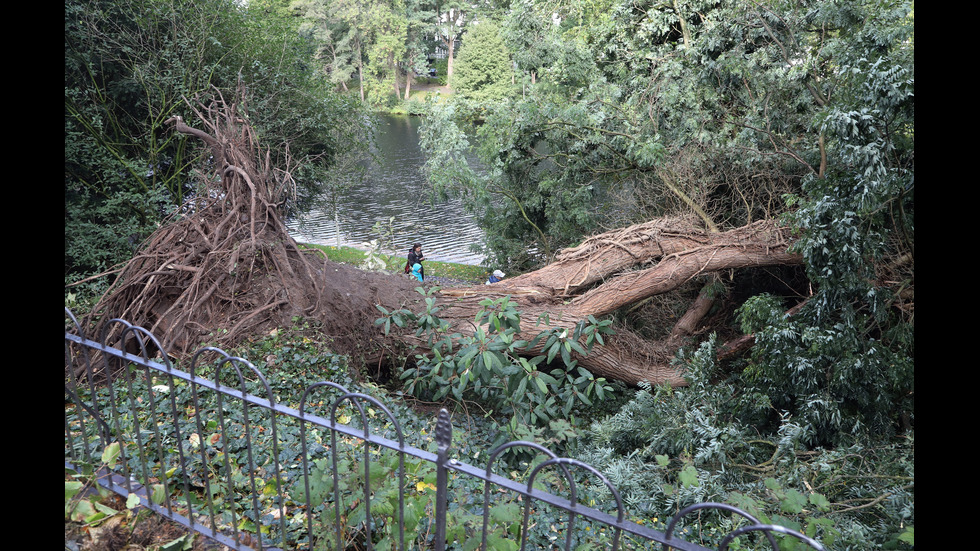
714,441
492,367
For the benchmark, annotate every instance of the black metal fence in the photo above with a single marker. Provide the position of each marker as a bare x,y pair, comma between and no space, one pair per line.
213,449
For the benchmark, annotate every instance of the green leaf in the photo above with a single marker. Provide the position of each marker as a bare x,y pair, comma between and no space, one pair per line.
496,543
793,502
72,487
547,378
578,348
521,387
505,513
553,351
688,476
156,494
132,501
820,501
183,543
541,384
81,511
110,454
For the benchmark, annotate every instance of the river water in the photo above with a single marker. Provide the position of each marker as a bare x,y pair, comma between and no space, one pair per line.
395,188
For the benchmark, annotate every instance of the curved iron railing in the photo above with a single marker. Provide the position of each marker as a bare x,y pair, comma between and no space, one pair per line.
197,480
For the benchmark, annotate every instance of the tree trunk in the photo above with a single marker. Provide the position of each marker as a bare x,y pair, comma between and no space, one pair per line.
616,269
409,77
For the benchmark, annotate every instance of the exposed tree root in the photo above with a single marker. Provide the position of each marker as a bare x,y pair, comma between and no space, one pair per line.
225,269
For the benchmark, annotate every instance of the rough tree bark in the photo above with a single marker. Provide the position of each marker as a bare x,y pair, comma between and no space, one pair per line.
616,269
228,270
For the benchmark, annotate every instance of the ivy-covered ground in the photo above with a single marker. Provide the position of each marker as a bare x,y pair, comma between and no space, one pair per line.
291,360
662,448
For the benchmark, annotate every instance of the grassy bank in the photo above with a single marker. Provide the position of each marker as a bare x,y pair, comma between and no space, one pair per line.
356,257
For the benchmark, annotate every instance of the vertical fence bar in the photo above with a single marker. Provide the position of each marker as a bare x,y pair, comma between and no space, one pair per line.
444,438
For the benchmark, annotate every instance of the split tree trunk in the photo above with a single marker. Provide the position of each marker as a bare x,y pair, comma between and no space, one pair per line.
616,269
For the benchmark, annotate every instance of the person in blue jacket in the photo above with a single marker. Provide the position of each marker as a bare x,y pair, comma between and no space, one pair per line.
417,271
496,276
415,256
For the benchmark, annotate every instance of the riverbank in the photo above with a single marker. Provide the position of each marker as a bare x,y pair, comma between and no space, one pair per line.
441,273
420,93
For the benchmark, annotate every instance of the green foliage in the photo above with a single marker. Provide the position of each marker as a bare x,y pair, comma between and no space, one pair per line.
537,191
671,447
483,70
833,381
377,474
844,364
386,28
493,366
734,111
441,66
532,39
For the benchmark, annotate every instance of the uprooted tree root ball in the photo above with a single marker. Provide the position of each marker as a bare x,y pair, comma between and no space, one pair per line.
226,268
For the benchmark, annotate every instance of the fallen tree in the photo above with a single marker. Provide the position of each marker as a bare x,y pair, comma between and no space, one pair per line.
227,269
613,270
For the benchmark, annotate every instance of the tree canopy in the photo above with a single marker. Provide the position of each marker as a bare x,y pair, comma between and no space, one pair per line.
483,69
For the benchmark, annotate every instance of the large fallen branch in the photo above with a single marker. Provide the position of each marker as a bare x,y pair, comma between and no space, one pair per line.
614,270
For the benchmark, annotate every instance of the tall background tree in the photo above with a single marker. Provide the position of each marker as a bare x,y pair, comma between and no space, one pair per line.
388,28
452,18
484,70
532,37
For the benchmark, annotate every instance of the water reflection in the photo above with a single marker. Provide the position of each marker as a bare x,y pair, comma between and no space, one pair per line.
395,189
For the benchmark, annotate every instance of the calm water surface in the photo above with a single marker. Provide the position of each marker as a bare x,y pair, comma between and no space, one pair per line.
395,187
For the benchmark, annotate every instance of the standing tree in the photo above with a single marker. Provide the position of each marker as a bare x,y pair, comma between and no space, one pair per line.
349,17
419,17
532,39
484,70
452,18
336,44
387,29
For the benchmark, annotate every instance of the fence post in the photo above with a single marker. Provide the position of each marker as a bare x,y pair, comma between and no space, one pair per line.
444,437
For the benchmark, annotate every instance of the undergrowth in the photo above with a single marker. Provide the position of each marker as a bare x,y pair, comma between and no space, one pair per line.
292,361
663,449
